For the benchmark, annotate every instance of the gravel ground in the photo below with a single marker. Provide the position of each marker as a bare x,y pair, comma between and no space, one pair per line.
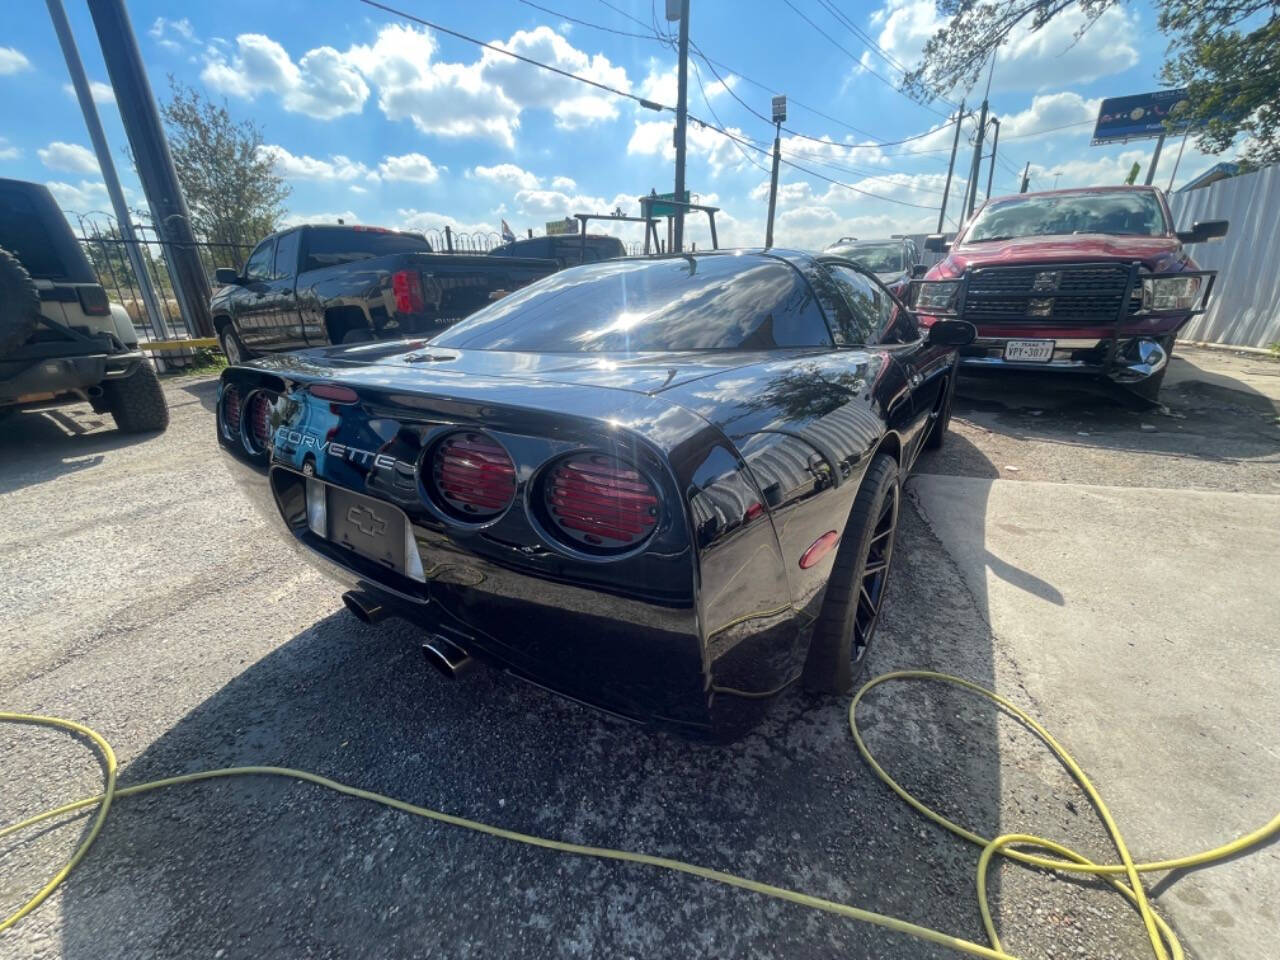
144,597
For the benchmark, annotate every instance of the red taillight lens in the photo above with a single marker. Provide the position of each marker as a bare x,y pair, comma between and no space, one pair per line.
231,409
258,413
407,287
598,501
474,476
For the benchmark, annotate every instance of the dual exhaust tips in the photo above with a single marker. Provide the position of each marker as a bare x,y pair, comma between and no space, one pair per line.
443,654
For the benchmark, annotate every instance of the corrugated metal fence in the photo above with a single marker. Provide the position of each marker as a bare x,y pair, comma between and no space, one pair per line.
1245,309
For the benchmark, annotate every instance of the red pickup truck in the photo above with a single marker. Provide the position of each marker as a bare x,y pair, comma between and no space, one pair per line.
1092,281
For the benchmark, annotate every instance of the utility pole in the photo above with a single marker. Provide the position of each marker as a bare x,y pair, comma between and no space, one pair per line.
153,161
682,111
946,191
1026,178
975,169
995,144
779,115
124,222
1155,159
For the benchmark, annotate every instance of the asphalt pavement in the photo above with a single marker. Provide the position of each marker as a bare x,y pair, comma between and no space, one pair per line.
144,597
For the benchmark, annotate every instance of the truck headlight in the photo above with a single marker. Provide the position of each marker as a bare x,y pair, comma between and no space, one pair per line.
937,295
1170,293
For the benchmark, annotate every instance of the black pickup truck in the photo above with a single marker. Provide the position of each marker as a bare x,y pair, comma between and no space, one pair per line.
316,285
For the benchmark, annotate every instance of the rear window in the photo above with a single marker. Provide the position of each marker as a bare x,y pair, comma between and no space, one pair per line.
23,233
331,246
721,302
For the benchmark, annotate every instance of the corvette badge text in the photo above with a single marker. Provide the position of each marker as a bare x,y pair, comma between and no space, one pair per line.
302,441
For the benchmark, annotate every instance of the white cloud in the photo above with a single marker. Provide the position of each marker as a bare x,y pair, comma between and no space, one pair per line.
1088,171
1028,60
564,183
426,221
305,167
654,137
99,91
68,157
661,85
173,35
1049,111
323,83
356,188
412,167
346,216
8,152
13,60
573,104
82,197
509,175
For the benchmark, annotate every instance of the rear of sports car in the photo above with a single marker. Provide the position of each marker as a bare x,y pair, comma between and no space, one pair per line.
540,526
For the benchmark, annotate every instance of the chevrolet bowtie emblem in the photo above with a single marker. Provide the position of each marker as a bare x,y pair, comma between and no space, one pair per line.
1046,280
366,521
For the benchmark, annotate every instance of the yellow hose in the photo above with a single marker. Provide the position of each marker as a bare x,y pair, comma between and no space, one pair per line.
1065,860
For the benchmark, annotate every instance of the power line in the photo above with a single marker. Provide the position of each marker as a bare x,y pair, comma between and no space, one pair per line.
648,104
588,23
848,53
707,102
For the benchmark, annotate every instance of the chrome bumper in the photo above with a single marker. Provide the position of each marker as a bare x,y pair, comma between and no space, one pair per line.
1136,359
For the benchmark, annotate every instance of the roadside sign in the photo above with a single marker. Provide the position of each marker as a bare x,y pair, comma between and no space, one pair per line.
660,209
779,109
561,228
1138,117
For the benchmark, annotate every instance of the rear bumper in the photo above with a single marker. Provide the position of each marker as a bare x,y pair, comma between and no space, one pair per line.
57,375
639,660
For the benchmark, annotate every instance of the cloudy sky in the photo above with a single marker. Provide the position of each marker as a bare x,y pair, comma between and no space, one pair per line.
383,121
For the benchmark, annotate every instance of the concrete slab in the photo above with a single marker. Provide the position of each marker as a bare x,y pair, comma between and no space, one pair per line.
1143,623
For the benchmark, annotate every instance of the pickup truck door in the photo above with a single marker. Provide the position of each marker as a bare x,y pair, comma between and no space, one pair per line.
286,324
252,305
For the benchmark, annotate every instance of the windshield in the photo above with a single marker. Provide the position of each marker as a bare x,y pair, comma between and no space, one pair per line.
717,302
876,257
1136,213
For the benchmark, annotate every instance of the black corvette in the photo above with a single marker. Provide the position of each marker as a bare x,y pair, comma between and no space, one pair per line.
667,487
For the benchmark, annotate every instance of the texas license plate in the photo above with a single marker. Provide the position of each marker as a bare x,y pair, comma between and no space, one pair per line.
371,528
1029,351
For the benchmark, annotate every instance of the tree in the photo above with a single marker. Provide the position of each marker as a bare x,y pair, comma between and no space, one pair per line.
1226,52
232,189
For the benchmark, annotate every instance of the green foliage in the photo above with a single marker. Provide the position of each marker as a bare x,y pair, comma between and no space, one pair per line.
231,187
1226,52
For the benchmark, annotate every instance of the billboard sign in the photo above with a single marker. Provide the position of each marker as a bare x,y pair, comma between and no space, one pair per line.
562,228
1137,117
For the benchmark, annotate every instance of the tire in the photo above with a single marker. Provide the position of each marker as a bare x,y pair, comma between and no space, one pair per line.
137,402
941,418
847,622
19,304
233,347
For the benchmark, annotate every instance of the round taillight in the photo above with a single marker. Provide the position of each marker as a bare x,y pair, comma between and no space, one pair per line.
231,404
257,417
474,476
599,502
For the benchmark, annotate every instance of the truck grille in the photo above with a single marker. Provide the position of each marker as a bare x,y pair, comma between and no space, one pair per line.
1088,293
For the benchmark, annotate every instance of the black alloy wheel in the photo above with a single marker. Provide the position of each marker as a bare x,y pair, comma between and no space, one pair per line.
855,593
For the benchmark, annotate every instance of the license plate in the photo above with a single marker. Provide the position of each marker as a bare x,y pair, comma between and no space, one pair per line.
1029,351
371,528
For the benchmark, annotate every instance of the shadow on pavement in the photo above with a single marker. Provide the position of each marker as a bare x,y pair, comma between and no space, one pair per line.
204,389
259,867
39,445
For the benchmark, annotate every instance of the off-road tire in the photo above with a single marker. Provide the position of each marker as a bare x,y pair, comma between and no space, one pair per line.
830,666
137,403
19,304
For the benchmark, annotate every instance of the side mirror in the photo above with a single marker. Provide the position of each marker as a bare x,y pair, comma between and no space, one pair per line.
936,243
226,276
951,333
918,271
1203,230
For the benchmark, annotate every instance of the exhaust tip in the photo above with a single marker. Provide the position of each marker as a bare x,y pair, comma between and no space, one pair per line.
447,658
364,608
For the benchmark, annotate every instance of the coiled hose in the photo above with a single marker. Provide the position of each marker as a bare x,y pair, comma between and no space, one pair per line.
1123,875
